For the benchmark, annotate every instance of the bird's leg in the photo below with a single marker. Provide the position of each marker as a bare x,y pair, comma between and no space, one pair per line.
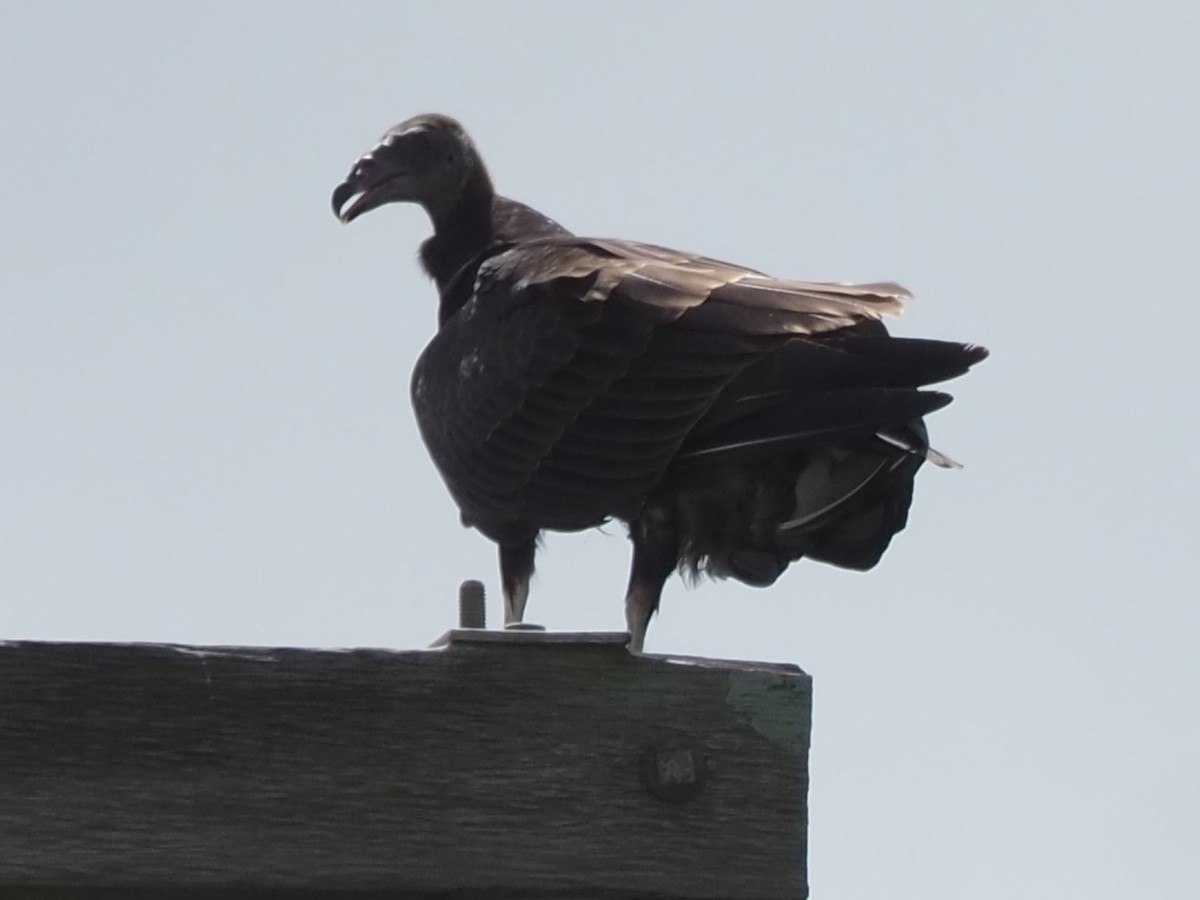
516,568
655,555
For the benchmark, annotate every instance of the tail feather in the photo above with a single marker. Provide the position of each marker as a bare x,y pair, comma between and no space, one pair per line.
917,449
862,531
811,451
822,487
809,420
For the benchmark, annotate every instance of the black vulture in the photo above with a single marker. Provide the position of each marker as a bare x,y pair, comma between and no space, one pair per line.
735,422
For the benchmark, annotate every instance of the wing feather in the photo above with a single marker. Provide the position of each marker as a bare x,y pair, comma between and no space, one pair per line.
677,283
567,384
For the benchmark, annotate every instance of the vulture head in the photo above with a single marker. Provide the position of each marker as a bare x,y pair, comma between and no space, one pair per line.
427,159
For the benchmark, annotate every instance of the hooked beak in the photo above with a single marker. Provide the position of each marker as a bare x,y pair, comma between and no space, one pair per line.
368,185
341,195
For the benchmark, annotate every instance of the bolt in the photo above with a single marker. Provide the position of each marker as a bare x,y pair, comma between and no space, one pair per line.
472,611
672,770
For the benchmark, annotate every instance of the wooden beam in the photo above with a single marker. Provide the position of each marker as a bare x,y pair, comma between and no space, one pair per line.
501,764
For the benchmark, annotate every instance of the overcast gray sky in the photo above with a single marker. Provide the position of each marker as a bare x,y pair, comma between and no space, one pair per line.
204,378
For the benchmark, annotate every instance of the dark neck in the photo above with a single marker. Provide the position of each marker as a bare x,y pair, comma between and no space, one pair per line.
480,222
460,236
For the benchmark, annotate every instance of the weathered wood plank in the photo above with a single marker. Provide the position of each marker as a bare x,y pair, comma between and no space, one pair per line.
515,768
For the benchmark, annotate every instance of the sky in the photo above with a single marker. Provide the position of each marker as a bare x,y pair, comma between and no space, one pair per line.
207,436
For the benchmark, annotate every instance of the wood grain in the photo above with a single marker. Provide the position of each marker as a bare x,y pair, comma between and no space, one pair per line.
491,768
